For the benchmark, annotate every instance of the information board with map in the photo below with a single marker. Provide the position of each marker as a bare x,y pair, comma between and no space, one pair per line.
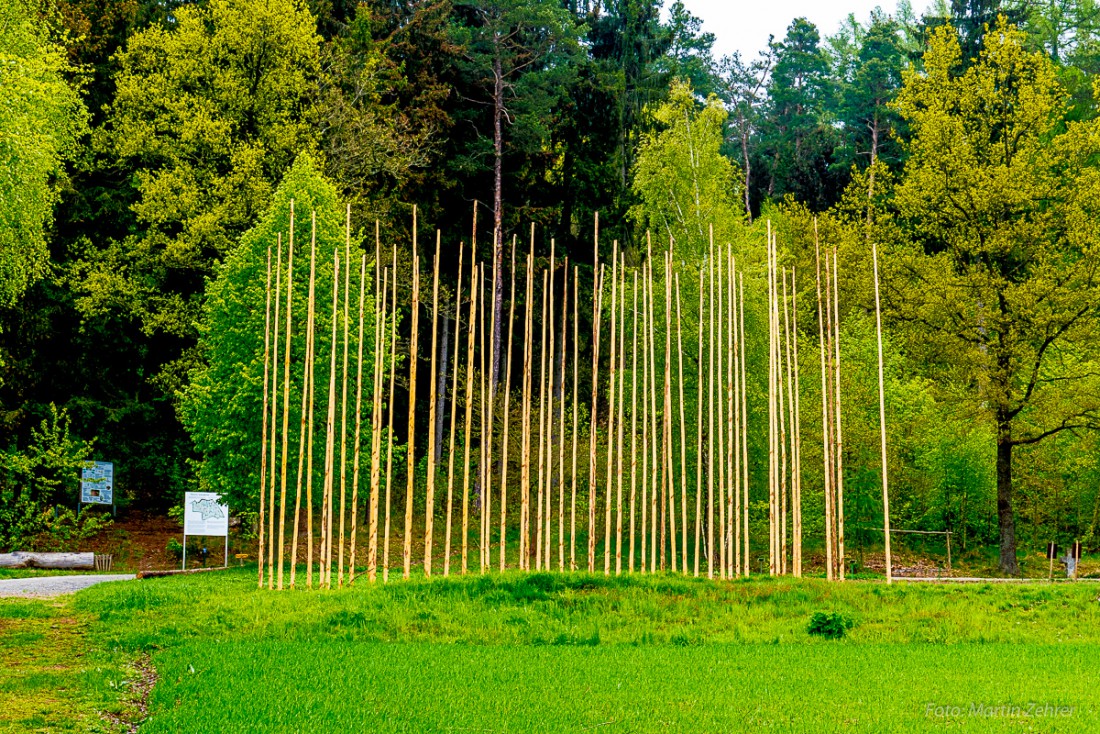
204,514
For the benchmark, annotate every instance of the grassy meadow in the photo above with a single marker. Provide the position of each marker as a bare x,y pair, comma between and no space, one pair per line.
574,652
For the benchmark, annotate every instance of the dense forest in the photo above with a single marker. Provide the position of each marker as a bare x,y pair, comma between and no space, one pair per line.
151,149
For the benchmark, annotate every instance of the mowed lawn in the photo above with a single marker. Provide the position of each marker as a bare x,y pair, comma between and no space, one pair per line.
566,653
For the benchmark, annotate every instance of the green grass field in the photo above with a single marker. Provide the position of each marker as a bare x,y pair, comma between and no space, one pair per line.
564,653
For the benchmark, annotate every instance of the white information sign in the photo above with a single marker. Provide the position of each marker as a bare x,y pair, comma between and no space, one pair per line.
97,481
204,514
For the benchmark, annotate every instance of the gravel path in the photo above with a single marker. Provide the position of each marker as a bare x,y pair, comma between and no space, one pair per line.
55,585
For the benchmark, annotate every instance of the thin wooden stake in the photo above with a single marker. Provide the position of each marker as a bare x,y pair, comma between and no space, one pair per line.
344,401
882,425
389,424
539,539
721,379
376,421
710,417
525,412
406,552
312,339
699,437
797,432
429,502
683,432
597,306
561,420
825,414
358,423
487,491
483,430
475,284
306,377
274,416
576,374
454,415
647,328
264,439
620,420
839,432
330,432
633,421
652,388
611,409
745,432
507,412
669,495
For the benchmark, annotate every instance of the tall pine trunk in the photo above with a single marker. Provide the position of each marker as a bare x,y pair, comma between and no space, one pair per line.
498,215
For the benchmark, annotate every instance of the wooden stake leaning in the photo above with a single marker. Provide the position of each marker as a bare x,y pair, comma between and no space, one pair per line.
597,306
652,389
454,414
735,424
487,489
406,551
790,422
429,501
576,373
358,424
274,415
549,297
471,334
507,415
882,423
483,454
264,438
376,422
721,379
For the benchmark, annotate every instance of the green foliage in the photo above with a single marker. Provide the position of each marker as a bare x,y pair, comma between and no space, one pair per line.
39,486
209,112
830,625
40,122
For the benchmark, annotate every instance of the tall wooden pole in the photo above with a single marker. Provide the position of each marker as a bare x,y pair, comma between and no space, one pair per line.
344,401
825,414
656,490
561,420
551,354
286,397
454,416
487,543
429,502
507,411
576,374
274,416
414,352
376,420
475,285
797,431
306,370
669,497
721,379
483,428
633,422
839,432
358,423
745,432
611,409
710,416
647,328
683,432
699,436
735,419
621,419
389,424
330,432
312,340
539,538
265,438
597,306
525,413
791,423
882,423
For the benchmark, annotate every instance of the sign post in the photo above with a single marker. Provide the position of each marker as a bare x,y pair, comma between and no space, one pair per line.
97,484
205,515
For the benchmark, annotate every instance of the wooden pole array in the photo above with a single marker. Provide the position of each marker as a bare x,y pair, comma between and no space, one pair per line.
647,520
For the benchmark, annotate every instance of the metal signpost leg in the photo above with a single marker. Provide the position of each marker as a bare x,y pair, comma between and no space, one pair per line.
185,551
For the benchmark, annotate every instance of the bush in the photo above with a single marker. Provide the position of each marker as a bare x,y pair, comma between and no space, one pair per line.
38,489
830,625
174,548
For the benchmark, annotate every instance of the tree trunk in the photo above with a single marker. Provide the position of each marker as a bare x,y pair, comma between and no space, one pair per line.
748,165
441,382
498,217
66,561
1005,517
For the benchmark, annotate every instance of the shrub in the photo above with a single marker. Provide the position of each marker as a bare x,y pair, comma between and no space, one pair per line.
830,625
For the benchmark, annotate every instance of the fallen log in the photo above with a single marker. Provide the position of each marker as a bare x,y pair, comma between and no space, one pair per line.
178,572
68,561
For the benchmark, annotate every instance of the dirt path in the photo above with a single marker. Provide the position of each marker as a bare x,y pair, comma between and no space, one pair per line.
41,586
